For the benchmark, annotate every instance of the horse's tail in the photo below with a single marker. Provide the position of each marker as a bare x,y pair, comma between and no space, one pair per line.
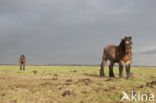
104,56
103,63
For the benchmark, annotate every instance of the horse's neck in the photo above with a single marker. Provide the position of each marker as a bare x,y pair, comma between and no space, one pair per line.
22,58
122,46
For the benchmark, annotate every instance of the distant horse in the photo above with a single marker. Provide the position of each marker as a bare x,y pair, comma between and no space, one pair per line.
118,54
22,62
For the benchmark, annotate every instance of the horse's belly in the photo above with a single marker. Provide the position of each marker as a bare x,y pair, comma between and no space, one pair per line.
23,62
113,58
127,59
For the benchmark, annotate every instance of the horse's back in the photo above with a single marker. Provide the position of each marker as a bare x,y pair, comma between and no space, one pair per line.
110,52
22,61
110,49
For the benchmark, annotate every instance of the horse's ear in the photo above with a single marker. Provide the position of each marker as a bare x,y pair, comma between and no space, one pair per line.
130,37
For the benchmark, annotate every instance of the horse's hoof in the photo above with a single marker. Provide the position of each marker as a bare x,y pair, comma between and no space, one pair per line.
127,78
102,75
111,75
120,77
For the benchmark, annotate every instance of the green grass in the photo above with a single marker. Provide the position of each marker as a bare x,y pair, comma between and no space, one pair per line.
83,82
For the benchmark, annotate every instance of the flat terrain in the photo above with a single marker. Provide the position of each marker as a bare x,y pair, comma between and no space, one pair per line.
71,84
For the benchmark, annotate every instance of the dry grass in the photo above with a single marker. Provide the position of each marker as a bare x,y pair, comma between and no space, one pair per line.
70,84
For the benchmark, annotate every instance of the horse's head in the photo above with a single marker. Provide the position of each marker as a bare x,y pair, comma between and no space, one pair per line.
127,44
22,56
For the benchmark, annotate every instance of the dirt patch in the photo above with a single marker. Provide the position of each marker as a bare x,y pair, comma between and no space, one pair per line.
1,88
84,92
97,89
109,89
150,84
60,88
112,88
54,78
2,78
46,84
21,86
67,83
74,71
153,82
12,101
152,77
69,80
132,75
68,93
141,86
110,79
106,90
2,95
86,81
55,75
34,71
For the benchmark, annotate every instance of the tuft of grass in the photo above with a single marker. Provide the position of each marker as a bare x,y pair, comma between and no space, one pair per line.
47,84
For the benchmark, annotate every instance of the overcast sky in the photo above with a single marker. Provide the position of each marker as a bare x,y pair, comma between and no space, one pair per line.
75,31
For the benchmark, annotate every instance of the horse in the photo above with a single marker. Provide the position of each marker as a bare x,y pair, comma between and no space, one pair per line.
22,62
118,54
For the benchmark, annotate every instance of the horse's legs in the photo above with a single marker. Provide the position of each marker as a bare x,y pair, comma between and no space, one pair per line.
120,70
102,74
20,67
128,69
111,73
24,67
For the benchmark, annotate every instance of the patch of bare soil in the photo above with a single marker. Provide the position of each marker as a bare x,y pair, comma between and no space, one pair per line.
67,84
2,95
106,90
112,88
74,71
84,92
141,86
97,89
132,75
46,84
110,79
85,81
152,77
34,71
109,89
2,78
60,88
150,84
55,75
12,101
20,86
69,80
54,78
153,82
68,93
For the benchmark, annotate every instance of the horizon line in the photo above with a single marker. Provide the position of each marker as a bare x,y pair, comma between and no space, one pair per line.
71,65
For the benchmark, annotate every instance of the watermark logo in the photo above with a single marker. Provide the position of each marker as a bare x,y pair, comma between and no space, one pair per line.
138,97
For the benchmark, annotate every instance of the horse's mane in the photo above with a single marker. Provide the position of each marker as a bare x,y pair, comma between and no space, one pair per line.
22,56
122,44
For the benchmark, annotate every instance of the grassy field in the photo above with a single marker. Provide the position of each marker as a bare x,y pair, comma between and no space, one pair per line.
71,84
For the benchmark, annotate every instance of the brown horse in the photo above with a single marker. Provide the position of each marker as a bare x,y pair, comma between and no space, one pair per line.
22,62
118,54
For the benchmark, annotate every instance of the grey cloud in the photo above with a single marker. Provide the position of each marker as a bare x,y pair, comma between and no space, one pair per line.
60,31
149,52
